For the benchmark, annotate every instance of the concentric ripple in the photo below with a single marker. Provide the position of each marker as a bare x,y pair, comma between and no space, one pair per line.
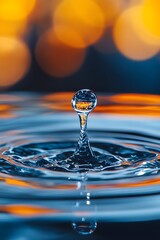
58,157
38,139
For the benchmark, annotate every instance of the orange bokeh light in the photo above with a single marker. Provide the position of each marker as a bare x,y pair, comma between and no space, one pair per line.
110,9
140,27
16,9
12,28
151,16
136,99
56,58
78,23
128,38
42,10
6,110
27,210
14,59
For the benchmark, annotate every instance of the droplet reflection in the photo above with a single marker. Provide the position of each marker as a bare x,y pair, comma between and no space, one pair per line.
84,227
84,223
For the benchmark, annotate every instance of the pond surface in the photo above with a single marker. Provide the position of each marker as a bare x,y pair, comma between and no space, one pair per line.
45,194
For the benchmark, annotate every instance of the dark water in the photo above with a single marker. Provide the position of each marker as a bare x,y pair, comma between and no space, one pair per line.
46,194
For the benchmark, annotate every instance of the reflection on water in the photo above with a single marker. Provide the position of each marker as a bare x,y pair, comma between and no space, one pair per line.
83,223
84,227
25,210
37,190
130,104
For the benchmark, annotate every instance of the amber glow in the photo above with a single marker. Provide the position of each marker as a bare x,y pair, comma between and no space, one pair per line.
4,107
140,99
9,28
151,111
6,111
124,104
16,182
57,59
59,97
14,59
127,38
59,101
78,23
151,16
110,10
141,29
144,183
83,105
16,9
41,10
30,184
27,210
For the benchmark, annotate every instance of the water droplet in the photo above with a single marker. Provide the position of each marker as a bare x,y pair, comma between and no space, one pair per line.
84,226
84,101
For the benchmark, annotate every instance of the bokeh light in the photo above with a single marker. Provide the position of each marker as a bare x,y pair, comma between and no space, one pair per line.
151,16
56,58
61,32
127,38
78,23
14,59
140,27
12,28
6,111
136,99
110,10
42,10
58,101
16,9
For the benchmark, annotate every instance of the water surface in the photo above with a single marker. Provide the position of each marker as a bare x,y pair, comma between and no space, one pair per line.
40,188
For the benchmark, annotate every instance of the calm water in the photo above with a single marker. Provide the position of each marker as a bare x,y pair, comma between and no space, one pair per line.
46,195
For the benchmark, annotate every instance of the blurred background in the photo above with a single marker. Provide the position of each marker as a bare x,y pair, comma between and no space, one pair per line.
65,45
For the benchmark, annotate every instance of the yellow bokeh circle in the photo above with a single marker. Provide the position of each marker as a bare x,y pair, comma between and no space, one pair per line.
15,60
128,36
16,9
56,58
78,23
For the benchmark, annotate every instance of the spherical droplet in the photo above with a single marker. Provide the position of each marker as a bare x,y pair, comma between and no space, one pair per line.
84,227
84,101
